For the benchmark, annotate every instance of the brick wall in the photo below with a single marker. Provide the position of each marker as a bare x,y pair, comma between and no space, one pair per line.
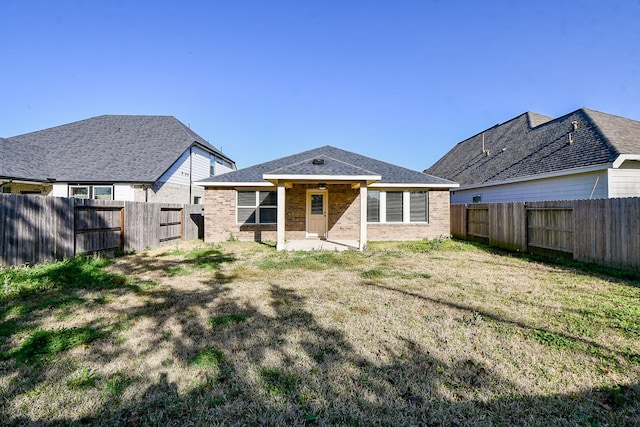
19,188
437,226
343,220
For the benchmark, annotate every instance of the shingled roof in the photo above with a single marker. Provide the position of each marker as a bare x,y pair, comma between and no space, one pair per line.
334,162
109,148
22,161
532,144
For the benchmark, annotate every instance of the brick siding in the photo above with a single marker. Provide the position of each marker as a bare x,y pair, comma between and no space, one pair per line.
343,219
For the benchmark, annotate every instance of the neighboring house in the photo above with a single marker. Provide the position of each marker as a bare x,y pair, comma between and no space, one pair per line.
582,155
112,157
326,193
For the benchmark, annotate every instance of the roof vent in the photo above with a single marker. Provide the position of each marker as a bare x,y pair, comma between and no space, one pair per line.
574,125
318,161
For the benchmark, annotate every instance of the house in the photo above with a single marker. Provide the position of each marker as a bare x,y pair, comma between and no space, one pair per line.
112,157
326,193
583,155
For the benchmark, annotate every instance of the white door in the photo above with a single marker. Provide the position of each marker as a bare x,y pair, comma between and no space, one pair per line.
317,214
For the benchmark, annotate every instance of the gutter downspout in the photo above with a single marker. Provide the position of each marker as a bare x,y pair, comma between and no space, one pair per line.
190,173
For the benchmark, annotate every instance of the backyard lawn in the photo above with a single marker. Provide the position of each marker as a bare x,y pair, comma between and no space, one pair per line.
429,333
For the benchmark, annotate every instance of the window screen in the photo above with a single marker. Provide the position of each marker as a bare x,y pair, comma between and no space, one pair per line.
394,206
419,206
373,206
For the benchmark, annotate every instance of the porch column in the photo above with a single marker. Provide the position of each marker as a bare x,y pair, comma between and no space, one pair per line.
363,216
280,226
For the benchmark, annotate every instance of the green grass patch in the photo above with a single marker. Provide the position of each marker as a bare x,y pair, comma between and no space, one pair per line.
43,345
278,383
313,261
207,358
86,378
228,319
177,271
553,340
76,273
115,385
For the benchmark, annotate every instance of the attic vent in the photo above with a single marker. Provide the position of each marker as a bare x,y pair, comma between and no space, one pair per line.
318,161
574,125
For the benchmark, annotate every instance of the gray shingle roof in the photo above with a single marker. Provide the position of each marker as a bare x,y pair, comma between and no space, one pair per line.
111,148
532,144
22,161
337,162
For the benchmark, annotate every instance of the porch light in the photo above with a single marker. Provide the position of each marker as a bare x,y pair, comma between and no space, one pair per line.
322,186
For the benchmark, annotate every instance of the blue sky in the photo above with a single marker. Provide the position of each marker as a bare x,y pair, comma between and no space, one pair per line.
401,81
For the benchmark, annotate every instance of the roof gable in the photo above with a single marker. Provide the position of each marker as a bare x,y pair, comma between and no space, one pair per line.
530,144
338,162
113,148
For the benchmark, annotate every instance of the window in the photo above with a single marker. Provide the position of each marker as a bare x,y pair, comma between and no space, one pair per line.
97,192
6,189
394,206
257,207
477,198
196,200
418,206
373,206
79,192
103,193
397,206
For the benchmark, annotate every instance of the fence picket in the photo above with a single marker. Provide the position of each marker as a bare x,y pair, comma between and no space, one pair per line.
35,229
602,231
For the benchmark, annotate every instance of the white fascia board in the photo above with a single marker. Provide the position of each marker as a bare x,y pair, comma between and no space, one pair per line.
546,175
277,177
421,185
234,184
623,158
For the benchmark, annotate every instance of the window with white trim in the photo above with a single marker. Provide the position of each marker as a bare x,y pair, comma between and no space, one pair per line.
257,207
102,193
397,206
418,206
373,206
394,206
79,192
96,192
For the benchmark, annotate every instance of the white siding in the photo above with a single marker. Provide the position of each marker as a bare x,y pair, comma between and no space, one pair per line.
570,187
60,190
198,168
179,172
200,164
624,182
123,192
220,169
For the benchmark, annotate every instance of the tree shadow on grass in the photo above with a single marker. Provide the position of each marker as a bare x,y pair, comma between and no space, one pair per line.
287,366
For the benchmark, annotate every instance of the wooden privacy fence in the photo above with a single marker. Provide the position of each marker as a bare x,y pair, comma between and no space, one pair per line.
603,231
35,229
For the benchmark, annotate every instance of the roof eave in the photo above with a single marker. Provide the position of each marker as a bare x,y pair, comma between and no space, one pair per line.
623,158
413,185
275,178
234,184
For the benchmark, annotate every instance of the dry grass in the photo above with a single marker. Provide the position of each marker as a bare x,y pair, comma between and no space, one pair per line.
427,333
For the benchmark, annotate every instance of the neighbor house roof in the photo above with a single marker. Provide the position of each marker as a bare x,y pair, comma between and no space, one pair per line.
22,161
328,161
110,148
532,144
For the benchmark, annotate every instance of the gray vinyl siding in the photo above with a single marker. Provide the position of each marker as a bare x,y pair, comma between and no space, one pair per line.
570,187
